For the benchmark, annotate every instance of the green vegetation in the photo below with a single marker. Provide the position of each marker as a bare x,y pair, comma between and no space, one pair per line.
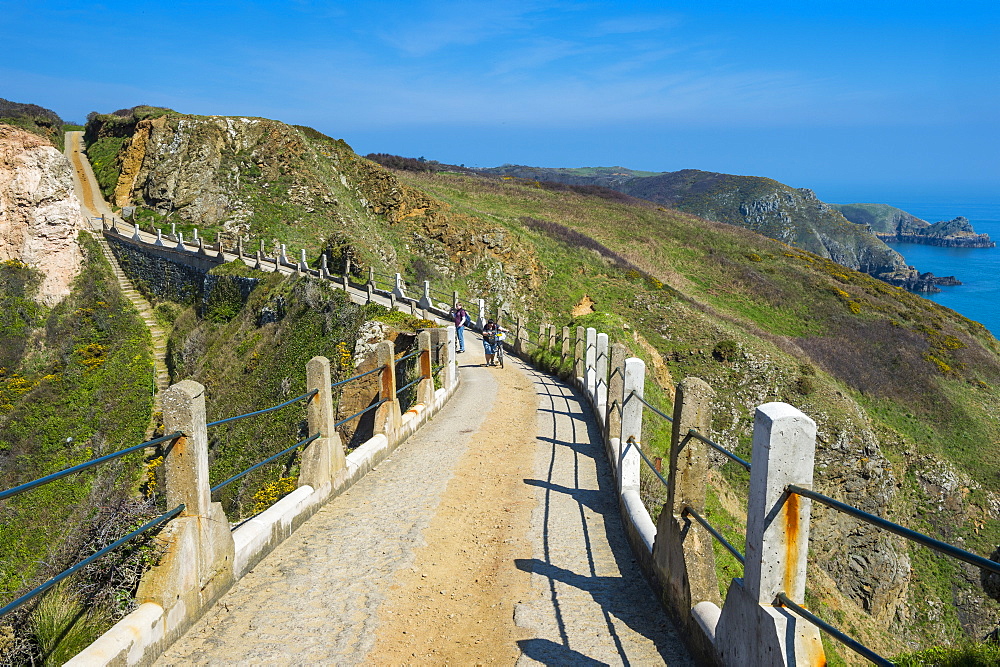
983,654
253,359
81,387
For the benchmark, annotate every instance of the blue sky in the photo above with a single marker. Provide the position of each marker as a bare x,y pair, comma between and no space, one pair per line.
857,100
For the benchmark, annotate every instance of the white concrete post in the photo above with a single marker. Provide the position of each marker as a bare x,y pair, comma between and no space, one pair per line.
282,256
443,340
590,359
198,564
159,237
387,416
201,246
398,287
751,630
180,242
196,239
324,457
601,381
173,229
239,247
579,355
425,388
324,270
370,290
481,317
629,461
564,350
303,264
425,300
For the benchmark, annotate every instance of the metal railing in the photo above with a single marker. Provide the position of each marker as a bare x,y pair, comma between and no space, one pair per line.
17,490
844,639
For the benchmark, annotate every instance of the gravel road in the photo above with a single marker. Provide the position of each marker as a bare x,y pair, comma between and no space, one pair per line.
490,536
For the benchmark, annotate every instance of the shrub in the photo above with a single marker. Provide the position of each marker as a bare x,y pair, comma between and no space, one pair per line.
725,350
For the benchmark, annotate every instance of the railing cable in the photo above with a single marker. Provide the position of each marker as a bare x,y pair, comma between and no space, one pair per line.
265,410
902,531
90,559
27,486
361,412
688,510
264,462
850,643
695,434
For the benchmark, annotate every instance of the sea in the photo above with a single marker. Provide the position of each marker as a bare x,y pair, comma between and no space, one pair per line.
978,297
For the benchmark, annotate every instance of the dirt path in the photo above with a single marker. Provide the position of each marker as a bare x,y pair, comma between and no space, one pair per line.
456,606
490,537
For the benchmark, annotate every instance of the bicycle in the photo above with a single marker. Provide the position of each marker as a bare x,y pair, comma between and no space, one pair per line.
498,358
495,339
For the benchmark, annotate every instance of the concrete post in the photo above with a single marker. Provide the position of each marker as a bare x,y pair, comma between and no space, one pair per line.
425,300
135,232
180,242
387,416
259,262
590,359
324,458
683,549
629,461
186,463
425,388
398,287
371,276
751,630
370,290
282,256
443,341
579,356
324,270
481,316
520,334
543,339
601,380
198,564
239,247
454,299
551,343
616,389
564,351
303,264
201,246
196,239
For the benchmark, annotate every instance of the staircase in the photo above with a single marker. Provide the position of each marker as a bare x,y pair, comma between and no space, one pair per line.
146,312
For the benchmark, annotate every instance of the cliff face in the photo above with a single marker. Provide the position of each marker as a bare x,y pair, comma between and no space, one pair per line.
39,211
896,225
793,216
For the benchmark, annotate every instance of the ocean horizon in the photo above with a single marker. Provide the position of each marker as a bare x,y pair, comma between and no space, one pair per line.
978,268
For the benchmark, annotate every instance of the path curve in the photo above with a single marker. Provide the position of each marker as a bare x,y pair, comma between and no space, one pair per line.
490,536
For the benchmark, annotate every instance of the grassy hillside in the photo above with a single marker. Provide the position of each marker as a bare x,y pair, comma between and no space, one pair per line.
902,389
76,383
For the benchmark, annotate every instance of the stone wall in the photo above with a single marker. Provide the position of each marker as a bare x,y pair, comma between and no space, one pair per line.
171,274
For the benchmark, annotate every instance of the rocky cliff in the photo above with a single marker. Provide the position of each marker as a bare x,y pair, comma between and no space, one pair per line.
262,179
896,225
39,211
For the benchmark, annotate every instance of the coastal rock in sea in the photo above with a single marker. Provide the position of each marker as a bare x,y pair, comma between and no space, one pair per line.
895,225
39,210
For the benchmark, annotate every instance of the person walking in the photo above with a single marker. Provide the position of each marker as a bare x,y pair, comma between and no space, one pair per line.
461,318
493,335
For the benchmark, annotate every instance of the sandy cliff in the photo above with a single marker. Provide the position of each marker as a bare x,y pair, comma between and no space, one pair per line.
39,211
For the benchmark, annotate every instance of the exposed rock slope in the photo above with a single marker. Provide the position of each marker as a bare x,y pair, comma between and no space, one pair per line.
39,211
893,224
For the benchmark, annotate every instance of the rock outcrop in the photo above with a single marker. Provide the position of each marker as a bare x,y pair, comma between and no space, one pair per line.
896,225
39,210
